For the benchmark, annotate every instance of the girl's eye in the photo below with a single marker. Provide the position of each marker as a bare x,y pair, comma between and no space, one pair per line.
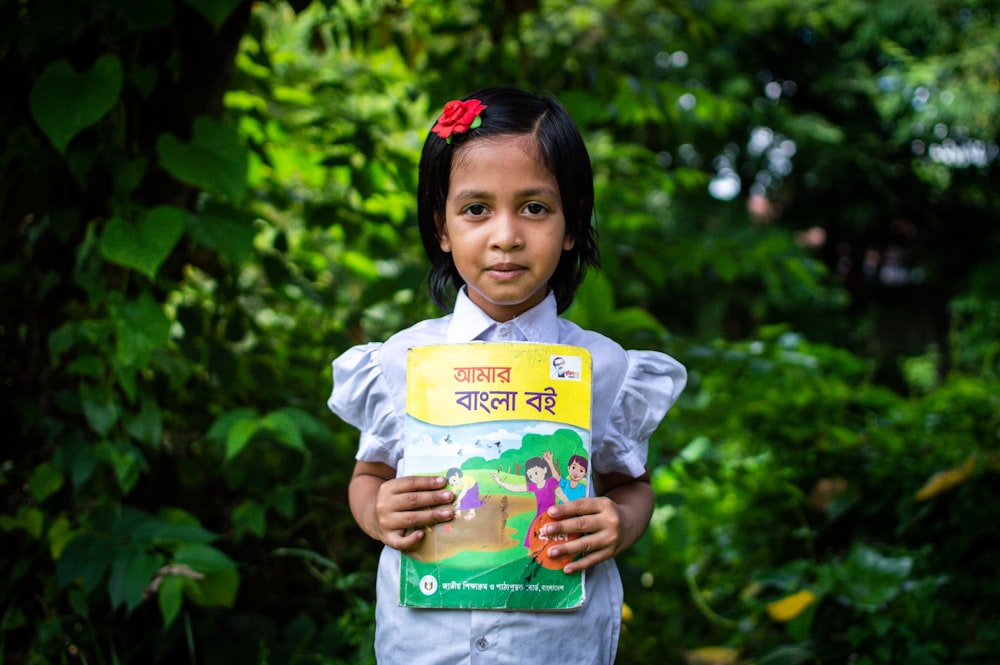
476,209
535,208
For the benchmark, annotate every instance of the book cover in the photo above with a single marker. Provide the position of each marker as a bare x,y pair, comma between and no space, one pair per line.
508,425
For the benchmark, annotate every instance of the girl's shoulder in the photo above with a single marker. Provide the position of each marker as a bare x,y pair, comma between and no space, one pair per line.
423,333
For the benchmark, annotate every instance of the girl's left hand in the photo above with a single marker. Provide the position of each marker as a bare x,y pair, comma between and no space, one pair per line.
599,523
608,524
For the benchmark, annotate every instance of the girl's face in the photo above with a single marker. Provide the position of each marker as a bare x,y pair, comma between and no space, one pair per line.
503,224
576,471
536,475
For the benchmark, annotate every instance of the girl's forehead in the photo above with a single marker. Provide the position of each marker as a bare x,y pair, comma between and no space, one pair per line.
488,147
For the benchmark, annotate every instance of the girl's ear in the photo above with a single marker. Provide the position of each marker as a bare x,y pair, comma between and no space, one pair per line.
568,242
442,233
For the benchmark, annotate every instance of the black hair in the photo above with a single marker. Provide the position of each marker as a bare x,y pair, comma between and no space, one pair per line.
513,111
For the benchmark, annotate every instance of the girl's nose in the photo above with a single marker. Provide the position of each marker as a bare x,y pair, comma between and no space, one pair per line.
507,234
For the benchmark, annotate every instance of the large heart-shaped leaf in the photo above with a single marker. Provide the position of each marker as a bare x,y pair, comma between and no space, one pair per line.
63,101
215,160
141,327
144,245
225,230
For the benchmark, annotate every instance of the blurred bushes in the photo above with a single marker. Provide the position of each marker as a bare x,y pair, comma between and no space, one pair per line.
184,253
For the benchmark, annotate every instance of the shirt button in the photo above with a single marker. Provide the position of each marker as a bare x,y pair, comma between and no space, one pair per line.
482,644
504,332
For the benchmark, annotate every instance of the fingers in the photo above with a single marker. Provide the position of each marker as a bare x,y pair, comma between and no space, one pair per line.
404,505
595,521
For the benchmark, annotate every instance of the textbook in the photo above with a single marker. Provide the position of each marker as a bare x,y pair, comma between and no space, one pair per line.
508,425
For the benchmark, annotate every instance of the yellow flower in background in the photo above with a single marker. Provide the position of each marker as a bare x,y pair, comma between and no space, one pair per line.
711,656
791,606
943,481
626,613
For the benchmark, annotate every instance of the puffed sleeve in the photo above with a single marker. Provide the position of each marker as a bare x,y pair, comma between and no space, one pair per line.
362,397
653,382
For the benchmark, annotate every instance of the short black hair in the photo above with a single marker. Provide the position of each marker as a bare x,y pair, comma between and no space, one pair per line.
517,112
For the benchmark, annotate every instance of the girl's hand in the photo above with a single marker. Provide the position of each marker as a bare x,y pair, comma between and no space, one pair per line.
608,525
395,510
599,523
403,506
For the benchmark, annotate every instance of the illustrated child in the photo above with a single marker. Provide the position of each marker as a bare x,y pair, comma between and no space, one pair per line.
573,487
539,481
505,199
466,491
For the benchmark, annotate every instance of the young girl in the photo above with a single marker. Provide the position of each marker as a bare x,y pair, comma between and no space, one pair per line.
504,205
466,492
539,481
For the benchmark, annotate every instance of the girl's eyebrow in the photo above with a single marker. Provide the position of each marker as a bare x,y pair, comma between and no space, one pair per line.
466,194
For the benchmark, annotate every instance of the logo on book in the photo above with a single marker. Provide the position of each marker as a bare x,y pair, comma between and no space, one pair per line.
567,368
428,585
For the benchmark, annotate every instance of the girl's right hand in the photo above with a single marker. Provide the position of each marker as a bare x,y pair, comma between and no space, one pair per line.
405,505
395,510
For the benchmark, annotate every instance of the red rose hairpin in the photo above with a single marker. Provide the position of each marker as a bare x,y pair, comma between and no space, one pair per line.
458,117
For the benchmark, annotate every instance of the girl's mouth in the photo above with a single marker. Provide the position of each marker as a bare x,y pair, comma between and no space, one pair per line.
505,271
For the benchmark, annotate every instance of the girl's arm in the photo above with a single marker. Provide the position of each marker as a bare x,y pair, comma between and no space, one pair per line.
393,510
510,487
547,456
562,495
608,524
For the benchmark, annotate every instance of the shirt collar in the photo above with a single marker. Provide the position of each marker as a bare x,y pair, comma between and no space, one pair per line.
468,322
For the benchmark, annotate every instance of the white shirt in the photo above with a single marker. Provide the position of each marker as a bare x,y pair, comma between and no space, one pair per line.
632,391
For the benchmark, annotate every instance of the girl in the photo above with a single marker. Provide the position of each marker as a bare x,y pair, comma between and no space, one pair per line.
466,492
504,205
539,481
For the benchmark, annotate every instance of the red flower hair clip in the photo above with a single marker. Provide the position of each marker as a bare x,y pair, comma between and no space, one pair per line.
458,117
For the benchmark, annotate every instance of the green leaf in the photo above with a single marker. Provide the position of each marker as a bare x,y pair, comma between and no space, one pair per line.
202,558
125,460
228,232
147,425
215,160
159,531
141,327
64,102
84,559
82,465
98,407
131,573
250,517
30,519
285,429
217,589
144,245
871,579
219,430
239,436
170,597
45,481
216,11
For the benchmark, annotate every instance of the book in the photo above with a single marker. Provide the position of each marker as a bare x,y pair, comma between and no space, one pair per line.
508,425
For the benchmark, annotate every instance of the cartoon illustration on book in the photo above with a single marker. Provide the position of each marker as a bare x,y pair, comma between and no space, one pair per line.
466,491
508,426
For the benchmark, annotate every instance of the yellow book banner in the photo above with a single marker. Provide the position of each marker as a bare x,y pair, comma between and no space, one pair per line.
455,384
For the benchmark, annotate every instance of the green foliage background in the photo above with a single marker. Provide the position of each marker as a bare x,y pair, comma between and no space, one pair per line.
204,202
